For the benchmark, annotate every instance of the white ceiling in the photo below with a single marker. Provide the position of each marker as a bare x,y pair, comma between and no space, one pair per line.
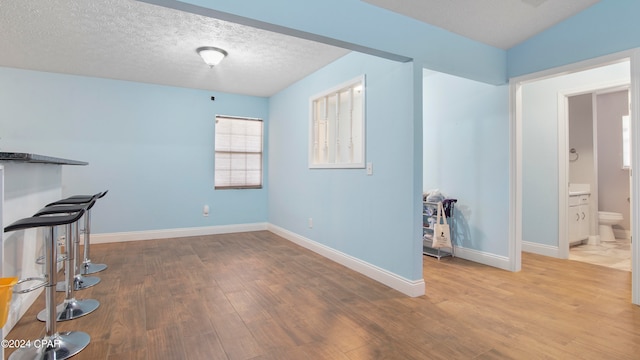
138,41
499,23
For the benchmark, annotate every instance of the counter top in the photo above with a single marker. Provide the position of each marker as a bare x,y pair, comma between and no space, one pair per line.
578,193
579,189
40,159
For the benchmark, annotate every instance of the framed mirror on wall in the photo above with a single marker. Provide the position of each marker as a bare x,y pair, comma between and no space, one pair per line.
337,126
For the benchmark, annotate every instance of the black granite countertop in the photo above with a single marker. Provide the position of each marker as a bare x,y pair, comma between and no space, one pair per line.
40,159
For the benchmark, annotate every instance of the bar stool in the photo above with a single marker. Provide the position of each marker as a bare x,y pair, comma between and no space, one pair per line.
71,308
80,282
87,266
53,345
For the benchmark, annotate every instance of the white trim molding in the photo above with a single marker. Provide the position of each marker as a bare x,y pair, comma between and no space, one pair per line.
175,233
542,249
413,288
485,258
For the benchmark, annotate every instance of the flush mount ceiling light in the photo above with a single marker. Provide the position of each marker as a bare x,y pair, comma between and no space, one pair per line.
211,55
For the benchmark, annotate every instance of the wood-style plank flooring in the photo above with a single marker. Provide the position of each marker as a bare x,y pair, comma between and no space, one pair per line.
258,296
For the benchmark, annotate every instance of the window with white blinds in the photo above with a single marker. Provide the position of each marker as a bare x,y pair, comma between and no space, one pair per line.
238,153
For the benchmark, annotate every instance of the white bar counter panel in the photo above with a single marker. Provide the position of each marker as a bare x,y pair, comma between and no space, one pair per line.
29,182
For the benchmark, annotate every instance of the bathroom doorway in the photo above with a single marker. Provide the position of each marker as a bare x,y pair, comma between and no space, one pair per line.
599,213
539,171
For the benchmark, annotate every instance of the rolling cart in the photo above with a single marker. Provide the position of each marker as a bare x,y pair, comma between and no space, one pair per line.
429,213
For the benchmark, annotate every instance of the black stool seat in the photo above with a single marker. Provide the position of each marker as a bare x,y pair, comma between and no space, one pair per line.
79,199
70,201
100,195
32,222
64,209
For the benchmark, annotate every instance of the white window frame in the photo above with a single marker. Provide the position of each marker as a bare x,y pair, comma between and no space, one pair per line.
224,156
337,126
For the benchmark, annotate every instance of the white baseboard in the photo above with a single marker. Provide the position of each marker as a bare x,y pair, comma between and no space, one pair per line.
174,233
541,249
413,288
500,262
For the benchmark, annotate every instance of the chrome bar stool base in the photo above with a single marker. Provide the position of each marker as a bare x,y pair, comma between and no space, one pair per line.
80,284
71,309
84,282
91,268
59,346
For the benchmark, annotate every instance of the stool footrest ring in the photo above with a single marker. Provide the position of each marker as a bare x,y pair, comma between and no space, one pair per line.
40,260
43,282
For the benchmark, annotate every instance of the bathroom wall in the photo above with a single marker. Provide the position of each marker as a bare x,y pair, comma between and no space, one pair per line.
613,180
581,170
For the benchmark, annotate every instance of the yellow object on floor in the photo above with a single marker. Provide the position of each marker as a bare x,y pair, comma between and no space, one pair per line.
6,290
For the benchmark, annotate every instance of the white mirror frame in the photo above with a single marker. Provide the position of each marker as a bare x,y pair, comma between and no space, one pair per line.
337,126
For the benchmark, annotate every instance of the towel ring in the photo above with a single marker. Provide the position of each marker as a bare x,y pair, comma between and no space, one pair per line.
573,151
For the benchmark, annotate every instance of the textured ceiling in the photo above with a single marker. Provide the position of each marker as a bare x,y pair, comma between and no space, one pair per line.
499,23
135,41
142,42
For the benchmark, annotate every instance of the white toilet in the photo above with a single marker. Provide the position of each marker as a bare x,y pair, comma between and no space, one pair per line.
606,220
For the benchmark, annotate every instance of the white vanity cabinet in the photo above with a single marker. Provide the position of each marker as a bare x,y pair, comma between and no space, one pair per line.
579,218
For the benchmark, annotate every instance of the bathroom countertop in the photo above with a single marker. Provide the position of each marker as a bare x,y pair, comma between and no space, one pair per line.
40,159
579,189
578,193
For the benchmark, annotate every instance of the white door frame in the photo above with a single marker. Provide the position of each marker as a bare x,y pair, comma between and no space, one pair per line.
515,156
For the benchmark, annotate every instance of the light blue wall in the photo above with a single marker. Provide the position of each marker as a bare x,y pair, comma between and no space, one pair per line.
359,23
373,218
150,145
540,147
607,27
466,156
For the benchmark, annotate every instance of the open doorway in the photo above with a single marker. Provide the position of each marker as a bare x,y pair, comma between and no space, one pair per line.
598,219
539,169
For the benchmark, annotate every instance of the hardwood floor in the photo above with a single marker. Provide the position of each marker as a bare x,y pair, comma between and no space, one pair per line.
258,296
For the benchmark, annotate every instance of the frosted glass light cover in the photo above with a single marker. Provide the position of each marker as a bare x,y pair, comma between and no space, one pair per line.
211,55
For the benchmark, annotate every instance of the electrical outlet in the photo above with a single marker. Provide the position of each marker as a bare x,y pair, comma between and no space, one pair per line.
310,223
205,211
369,168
